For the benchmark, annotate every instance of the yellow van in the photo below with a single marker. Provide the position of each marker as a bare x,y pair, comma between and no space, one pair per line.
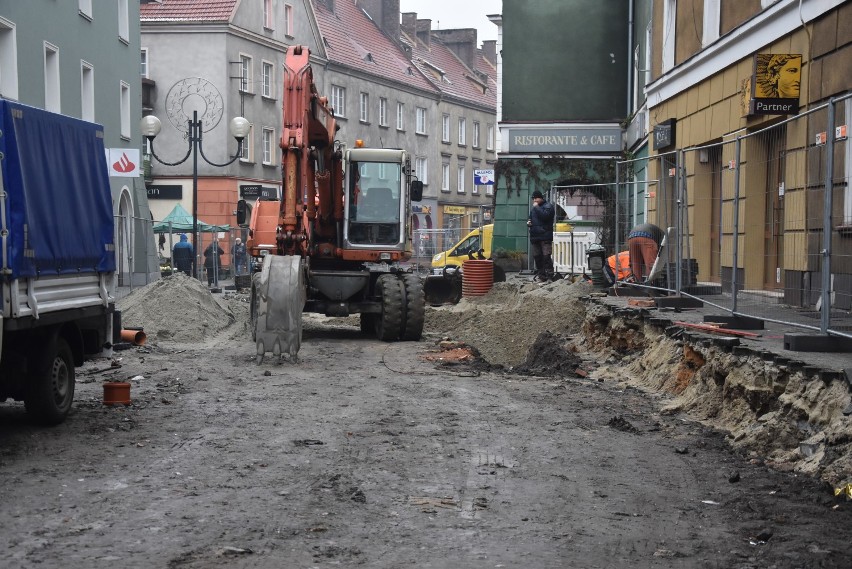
475,245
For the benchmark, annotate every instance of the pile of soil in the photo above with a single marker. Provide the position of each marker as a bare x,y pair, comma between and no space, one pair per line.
177,308
551,355
505,323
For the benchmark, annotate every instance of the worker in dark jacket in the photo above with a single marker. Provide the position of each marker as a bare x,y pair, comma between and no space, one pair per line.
213,262
540,224
643,243
183,254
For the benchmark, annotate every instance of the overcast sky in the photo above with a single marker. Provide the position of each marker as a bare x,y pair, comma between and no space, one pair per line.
450,14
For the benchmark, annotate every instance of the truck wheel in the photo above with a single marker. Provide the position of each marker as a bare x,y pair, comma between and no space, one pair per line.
51,383
415,307
389,322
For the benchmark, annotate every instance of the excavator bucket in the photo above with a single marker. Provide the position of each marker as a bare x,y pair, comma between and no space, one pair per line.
277,301
445,288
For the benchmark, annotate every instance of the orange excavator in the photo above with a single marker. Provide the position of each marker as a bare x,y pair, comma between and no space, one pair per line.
337,240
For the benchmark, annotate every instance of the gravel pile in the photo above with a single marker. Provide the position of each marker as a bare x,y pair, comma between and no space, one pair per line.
504,324
177,308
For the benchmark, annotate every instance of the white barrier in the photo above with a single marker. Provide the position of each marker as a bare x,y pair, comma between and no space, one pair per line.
569,251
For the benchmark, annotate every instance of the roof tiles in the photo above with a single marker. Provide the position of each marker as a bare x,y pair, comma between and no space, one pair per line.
188,10
354,40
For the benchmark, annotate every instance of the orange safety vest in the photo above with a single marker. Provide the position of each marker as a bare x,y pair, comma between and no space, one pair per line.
621,268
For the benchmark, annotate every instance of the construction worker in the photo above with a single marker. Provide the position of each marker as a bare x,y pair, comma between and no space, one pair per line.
643,243
540,224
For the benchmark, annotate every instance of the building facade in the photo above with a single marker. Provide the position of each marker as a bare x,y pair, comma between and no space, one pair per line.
363,61
561,122
81,58
755,145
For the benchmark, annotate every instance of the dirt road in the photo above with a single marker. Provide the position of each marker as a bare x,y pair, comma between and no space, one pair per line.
366,454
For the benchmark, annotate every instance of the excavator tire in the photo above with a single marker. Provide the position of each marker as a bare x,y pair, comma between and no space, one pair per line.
415,307
280,301
389,322
254,306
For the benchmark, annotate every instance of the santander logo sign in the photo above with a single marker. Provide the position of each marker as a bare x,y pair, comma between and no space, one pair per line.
124,164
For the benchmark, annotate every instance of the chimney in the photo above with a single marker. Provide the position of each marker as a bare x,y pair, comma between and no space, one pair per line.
462,42
385,14
424,32
489,51
409,24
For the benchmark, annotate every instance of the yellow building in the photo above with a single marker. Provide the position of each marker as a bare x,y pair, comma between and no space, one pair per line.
749,99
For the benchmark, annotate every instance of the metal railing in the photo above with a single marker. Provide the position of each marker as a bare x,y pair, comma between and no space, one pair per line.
759,221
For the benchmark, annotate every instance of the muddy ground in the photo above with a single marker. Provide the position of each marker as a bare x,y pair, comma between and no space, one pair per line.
417,454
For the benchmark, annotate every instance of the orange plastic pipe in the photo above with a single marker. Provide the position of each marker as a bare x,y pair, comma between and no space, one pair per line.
136,337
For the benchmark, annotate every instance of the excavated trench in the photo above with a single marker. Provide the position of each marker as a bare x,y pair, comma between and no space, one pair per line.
786,416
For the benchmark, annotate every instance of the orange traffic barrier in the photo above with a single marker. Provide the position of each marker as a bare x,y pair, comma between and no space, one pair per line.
135,337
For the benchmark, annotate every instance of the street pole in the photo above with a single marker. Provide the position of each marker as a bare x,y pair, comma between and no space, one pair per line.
239,128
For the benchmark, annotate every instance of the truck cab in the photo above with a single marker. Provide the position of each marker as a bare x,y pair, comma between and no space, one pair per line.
476,245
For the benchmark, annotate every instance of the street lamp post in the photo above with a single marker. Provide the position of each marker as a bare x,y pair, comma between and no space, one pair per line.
239,128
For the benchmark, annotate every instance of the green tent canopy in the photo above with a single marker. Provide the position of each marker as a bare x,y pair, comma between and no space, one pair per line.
180,221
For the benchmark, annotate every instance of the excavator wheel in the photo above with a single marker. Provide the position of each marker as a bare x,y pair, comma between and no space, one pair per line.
280,293
254,306
415,307
389,322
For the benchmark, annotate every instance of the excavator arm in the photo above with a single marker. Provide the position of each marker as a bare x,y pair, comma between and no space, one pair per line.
307,157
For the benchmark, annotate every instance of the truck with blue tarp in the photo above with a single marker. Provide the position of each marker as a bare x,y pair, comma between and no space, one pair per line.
57,279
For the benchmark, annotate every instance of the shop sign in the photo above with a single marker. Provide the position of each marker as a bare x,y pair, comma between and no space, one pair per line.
256,191
568,139
423,209
776,81
165,192
664,134
454,209
483,177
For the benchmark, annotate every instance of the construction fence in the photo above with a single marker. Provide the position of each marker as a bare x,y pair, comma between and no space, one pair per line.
755,222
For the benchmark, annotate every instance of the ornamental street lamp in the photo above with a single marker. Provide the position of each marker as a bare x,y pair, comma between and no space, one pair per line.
239,129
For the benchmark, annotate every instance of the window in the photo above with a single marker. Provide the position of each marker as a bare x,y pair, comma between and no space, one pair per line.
489,142
489,190
462,132
124,105
420,169
87,91
268,145
421,121
461,178
51,78
246,150
711,22
245,73
445,128
143,62
383,112
85,7
267,79
123,21
445,177
400,116
338,100
669,30
288,19
365,107
267,14
475,134
8,60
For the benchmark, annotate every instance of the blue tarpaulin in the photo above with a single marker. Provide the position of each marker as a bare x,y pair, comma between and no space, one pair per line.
58,204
